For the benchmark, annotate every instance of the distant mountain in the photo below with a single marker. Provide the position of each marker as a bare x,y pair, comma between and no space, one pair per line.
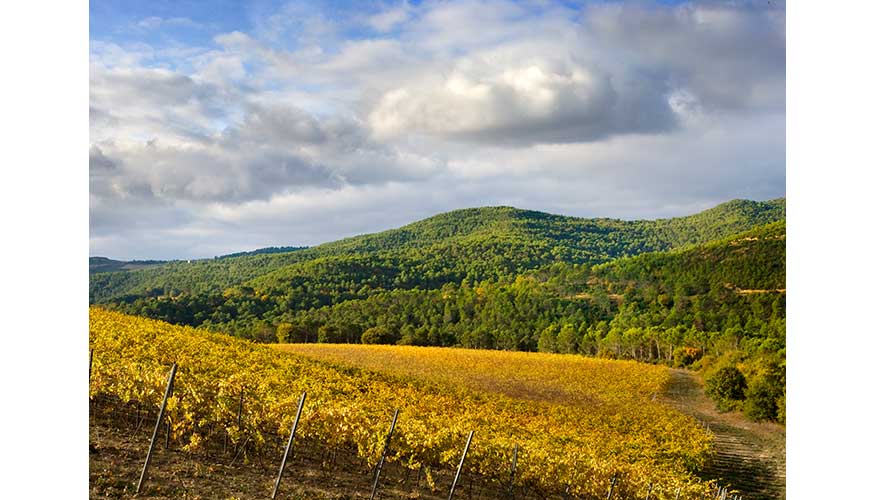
261,251
473,244
105,265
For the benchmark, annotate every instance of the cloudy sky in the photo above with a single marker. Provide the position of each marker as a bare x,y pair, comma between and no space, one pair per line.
224,126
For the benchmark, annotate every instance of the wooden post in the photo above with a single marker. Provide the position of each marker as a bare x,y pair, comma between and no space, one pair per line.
512,471
240,409
239,416
279,476
167,435
677,494
461,462
90,363
383,456
649,489
157,427
611,488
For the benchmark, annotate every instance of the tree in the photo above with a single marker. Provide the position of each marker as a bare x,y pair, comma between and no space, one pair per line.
547,339
377,335
726,387
283,332
566,339
330,334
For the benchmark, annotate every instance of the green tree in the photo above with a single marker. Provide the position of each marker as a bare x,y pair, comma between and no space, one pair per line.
726,387
566,339
547,339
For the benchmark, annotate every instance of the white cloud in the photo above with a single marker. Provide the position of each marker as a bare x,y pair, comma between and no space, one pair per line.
318,124
540,101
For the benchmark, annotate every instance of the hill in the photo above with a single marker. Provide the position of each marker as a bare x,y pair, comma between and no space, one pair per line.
641,307
106,265
474,244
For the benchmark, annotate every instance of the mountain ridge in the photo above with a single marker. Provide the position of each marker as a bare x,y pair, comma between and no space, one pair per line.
512,239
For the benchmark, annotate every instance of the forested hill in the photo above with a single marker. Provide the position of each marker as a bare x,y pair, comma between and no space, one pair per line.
704,297
473,244
105,265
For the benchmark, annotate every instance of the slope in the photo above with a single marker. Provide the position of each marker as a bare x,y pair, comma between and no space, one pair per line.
480,243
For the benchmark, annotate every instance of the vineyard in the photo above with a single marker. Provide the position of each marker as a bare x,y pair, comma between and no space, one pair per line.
580,425
602,386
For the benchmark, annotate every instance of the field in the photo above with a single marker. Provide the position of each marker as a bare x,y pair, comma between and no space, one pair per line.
601,386
578,422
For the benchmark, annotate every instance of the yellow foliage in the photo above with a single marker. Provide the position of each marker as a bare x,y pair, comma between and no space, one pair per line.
576,421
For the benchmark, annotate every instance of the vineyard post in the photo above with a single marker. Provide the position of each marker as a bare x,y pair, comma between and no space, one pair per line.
279,477
157,426
649,489
611,488
239,409
677,493
239,413
383,456
512,471
90,363
461,462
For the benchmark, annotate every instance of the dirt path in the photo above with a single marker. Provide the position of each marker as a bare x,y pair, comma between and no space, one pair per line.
749,456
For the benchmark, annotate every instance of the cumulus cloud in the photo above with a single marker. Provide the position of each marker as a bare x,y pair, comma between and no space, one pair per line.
319,123
542,101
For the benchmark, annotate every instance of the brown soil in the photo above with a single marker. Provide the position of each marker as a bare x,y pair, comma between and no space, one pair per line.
750,457
118,447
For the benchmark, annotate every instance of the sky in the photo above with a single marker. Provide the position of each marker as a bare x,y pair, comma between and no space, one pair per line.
223,126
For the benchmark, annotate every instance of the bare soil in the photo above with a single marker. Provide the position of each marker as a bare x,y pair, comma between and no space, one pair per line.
119,440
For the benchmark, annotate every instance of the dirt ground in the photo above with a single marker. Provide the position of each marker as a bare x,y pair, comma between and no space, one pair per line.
750,457
118,446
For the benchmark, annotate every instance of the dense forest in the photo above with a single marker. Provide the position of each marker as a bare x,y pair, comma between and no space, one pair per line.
705,291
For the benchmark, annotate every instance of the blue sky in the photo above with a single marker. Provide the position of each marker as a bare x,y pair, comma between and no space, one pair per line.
225,126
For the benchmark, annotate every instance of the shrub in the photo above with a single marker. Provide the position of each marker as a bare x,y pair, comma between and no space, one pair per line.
685,356
782,409
726,387
763,398
377,335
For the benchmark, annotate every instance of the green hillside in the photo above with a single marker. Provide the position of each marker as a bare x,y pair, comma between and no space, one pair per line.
105,265
733,284
474,244
426,296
